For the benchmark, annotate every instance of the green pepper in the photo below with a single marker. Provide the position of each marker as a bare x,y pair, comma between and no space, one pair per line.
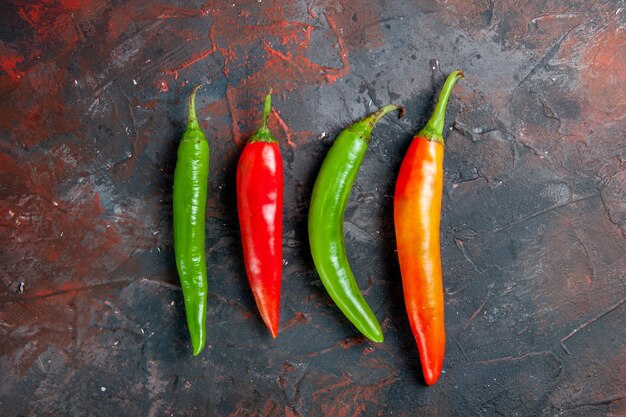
328,204
190,186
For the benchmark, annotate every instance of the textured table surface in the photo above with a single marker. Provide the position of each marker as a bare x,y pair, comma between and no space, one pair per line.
533,248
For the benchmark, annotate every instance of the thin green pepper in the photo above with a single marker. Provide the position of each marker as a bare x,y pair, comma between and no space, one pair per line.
190,186
328,204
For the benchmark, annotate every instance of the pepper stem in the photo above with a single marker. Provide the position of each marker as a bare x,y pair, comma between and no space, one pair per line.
267,110
192,119
263,134
375,117
433,130
366,124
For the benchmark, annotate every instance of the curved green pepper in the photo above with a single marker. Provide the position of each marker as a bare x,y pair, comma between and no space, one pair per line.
190,186
328,204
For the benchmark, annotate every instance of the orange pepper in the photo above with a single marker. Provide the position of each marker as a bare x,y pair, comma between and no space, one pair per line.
417,215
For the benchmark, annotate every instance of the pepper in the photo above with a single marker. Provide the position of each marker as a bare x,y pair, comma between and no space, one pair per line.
260,208
190,187
326,215
417,214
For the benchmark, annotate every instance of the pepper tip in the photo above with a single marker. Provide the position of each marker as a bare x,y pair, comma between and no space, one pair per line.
198,349
376,335
274,332
430,378
197,342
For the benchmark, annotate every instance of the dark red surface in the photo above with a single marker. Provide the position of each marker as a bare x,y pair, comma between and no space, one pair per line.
534,256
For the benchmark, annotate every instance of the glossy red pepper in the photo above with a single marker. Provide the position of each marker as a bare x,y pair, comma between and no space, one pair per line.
260,207
417,214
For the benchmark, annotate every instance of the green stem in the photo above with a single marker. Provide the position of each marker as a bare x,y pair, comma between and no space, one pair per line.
433,130
364,126
267,110
192,119
375,117
263,133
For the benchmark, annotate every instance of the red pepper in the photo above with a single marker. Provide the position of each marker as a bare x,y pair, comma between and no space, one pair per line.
417,214
260,207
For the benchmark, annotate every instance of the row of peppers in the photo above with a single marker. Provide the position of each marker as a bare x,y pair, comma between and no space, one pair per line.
417,207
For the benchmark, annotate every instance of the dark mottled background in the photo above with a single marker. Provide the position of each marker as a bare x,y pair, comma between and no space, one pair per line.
534,255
